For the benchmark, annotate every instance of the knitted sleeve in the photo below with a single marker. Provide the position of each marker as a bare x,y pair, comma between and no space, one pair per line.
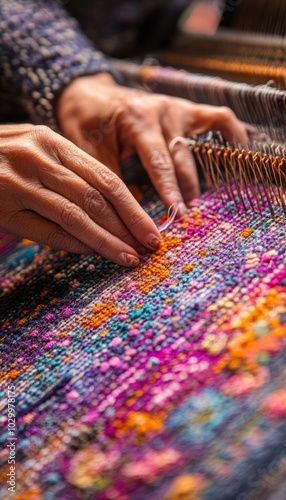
42,50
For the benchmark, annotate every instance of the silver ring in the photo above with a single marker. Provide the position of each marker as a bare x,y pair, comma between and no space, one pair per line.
183,140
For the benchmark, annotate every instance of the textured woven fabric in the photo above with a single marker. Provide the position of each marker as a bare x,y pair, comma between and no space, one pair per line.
162,382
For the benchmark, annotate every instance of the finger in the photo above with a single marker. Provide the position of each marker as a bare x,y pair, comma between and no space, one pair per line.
183,160
203,118
153,152
232,129
114,190
6,130
37,228
250,129
93,203
186,171
74,221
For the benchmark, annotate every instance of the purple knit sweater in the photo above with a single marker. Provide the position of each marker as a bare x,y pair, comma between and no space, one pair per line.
43,48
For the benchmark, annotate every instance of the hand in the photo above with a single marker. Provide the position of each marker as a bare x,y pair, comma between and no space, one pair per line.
54,193
112,122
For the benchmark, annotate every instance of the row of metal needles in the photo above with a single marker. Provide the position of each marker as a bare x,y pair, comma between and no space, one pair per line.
249,179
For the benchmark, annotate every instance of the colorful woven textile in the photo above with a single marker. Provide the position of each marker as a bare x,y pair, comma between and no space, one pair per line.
164,382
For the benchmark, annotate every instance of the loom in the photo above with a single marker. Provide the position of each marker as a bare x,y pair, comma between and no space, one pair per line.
248,62
165,382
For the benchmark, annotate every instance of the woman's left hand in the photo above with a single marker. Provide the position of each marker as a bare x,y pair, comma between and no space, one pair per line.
112,122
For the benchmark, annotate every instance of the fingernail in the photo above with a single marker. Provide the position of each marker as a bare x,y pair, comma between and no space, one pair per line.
154,241
182,209
129,260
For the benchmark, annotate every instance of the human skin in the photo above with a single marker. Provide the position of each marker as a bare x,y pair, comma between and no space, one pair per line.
112,122
54,193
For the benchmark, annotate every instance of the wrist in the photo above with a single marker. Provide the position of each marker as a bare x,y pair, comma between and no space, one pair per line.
99,79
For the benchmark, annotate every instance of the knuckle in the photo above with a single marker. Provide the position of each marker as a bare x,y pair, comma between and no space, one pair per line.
159,160
166,103
94,203
57,239
110,182
93,135
40,130
134,106
107,126
71,216
227,112
42,135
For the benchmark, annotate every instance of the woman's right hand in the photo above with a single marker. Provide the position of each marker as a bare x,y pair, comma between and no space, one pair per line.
53,193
